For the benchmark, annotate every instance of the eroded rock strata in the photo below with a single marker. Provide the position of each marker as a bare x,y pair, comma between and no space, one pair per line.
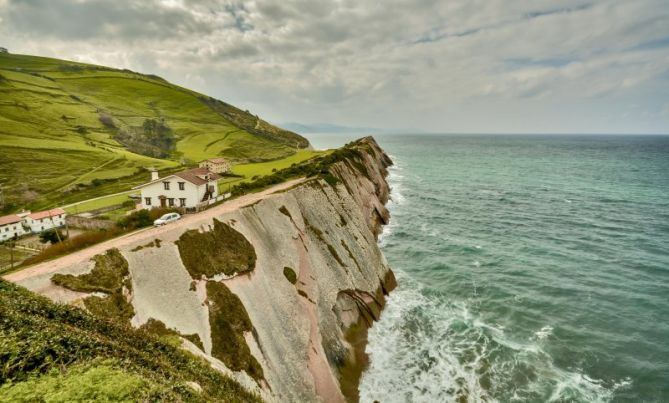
287,312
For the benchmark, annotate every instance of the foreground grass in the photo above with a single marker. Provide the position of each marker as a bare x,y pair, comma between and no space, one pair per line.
50,348
98,381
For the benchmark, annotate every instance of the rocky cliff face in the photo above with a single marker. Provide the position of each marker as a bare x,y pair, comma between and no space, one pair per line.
287,311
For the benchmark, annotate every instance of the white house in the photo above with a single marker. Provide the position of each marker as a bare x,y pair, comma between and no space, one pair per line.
11,225
216,165
45,220
187,189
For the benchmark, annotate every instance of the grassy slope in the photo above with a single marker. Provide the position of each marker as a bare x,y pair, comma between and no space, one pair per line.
54,352
52,139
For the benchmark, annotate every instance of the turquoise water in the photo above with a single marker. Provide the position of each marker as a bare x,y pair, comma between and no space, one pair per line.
531,268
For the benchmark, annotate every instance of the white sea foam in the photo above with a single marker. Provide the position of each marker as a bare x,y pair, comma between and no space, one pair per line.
427,349
544,332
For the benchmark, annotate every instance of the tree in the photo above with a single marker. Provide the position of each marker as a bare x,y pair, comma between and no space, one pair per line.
52,236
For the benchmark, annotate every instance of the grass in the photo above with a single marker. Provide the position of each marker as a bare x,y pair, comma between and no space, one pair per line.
290,275
317,167
106,277
229,321
171,336
222,250
51,112
45,345
98,381
109,276
6,256
102,202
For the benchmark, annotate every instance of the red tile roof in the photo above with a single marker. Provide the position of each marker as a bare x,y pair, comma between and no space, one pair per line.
195,175
10,219
47,213
217,160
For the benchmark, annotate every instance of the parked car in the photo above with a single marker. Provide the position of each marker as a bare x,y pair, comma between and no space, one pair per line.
166,219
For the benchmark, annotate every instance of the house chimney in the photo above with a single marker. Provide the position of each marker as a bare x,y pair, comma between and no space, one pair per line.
154,174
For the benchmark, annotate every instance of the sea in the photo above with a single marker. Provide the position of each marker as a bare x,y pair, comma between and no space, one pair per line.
531,268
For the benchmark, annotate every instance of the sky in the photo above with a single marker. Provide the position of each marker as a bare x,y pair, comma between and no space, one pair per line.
452,66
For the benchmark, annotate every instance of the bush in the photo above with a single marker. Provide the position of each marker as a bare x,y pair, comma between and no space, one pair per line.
137,219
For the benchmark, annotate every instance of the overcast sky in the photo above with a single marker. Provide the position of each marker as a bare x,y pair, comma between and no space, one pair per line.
434,65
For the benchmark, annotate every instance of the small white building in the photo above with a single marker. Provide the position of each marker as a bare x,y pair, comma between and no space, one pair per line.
45,220
216,165
187,189
10,226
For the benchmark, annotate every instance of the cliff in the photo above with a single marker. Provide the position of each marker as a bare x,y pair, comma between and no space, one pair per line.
278,294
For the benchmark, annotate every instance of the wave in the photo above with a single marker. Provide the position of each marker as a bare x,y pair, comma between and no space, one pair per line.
427,348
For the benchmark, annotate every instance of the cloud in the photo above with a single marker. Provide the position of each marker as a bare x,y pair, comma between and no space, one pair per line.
398,63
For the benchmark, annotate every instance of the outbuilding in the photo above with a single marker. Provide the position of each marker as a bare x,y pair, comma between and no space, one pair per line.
216,165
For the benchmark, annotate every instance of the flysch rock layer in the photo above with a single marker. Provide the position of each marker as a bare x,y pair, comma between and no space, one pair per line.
309,336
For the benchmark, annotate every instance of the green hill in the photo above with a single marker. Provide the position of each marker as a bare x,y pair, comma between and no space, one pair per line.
68,127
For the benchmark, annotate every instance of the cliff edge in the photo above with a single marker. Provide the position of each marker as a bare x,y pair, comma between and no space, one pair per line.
278,294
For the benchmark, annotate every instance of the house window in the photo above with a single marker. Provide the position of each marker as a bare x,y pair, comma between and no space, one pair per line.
147,201
171,201
166,185
182,202
182,185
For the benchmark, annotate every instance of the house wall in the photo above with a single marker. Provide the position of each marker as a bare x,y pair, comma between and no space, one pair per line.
8,231
191,193
37,226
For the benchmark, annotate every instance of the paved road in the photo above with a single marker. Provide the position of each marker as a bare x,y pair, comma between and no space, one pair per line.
152,232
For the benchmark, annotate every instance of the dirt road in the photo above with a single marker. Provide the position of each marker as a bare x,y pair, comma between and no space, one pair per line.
88,253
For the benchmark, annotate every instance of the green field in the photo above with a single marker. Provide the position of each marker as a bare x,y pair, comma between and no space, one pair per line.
72,131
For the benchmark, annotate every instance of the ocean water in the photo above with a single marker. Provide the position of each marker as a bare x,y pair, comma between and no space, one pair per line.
530,269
